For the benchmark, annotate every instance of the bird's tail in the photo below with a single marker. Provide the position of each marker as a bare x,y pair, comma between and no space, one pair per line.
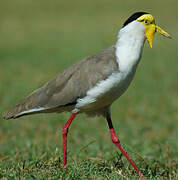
25,107
19,110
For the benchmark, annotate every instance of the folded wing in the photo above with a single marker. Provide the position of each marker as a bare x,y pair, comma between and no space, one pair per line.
73,83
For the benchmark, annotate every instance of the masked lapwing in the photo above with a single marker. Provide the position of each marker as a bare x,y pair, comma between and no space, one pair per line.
91,85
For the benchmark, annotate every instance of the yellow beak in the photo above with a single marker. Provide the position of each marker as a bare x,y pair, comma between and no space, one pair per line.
162,32
150,31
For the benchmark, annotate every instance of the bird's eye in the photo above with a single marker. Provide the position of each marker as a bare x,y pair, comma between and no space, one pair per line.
147,22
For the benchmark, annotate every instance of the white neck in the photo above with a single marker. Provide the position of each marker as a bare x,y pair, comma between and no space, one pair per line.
129,46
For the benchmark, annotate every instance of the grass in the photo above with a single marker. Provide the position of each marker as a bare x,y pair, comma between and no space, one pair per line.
40,39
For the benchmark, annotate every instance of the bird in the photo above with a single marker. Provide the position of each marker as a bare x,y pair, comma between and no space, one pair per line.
92,84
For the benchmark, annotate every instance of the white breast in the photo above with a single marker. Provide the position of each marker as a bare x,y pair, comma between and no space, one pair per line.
129,46
128,52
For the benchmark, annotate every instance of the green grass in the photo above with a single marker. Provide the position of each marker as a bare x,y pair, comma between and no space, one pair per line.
40,39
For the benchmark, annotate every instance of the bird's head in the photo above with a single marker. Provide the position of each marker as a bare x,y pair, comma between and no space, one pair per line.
149,23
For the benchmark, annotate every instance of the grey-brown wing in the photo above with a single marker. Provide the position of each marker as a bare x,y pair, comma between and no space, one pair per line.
69,85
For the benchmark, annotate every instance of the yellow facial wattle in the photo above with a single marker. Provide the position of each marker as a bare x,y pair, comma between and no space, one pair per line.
149,33
150,28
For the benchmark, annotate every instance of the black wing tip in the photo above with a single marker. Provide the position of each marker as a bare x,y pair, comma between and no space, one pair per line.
7,117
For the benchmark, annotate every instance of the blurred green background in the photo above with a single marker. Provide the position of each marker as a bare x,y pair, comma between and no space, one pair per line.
39,39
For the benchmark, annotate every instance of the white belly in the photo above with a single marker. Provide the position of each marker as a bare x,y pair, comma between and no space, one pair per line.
105,92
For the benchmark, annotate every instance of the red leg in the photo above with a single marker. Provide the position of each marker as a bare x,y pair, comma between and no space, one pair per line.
64,136
116,141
